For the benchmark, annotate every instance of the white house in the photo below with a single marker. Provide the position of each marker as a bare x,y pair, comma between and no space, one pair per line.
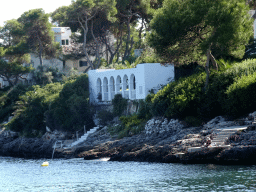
134,83
62,35
78,61
3,83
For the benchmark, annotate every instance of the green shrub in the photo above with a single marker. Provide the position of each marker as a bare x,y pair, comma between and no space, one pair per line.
30,109
185,97
71,110
130,125
119,105
9,96
149,56
115,129
144,108
241,96
180,98
61,106
105,117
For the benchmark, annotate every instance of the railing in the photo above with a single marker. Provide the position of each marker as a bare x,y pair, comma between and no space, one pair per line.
68,143
80,132
54,147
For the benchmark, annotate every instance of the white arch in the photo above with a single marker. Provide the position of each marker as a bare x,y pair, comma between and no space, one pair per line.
132,86
99,90
105,89
126,86
112,87
118,85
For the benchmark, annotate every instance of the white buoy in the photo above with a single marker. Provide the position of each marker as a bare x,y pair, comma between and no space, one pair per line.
45,164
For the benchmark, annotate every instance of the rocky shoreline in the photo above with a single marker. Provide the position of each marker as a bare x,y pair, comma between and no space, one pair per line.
162,141
14,146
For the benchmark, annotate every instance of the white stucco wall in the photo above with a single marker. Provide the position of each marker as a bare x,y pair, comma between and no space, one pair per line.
147,77
157,75
3,83
46,62
61,33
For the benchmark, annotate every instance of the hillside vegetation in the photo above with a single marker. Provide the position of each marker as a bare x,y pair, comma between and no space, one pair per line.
65,105
60,105
231,92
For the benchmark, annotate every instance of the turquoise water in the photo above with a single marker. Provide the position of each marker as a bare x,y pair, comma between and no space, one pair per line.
100,175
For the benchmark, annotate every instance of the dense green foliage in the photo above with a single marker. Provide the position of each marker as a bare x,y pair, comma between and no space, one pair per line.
119,105
241,96
71,110
61,106
30,109
105,117
130,125
230,93
13,71
149,56
8,97
183,31
38,34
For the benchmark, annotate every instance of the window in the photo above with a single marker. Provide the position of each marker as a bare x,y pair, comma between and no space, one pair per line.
64,42
82,63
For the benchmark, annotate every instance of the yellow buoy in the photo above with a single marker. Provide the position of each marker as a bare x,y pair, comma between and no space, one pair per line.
45,164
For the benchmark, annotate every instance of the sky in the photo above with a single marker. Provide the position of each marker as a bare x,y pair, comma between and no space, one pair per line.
13,9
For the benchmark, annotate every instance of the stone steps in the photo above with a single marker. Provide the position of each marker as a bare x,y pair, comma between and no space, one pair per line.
84,137
220,138
222,135
67,144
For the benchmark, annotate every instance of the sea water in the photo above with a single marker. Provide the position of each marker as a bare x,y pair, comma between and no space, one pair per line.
23,175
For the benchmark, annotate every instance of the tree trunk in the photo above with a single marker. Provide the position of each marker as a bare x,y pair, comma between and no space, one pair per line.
85,29
207,69
127,40
97,59
40,57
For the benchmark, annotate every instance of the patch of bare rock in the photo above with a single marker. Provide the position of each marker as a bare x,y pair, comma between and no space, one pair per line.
168,141
171,141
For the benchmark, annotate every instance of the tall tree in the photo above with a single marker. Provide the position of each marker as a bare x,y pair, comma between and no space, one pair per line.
90,17
39,36
13,71
11,33
200,30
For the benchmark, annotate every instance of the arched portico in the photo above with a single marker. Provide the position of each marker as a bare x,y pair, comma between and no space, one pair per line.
105,89
99,90
118,85
112,87
125,87
132,87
